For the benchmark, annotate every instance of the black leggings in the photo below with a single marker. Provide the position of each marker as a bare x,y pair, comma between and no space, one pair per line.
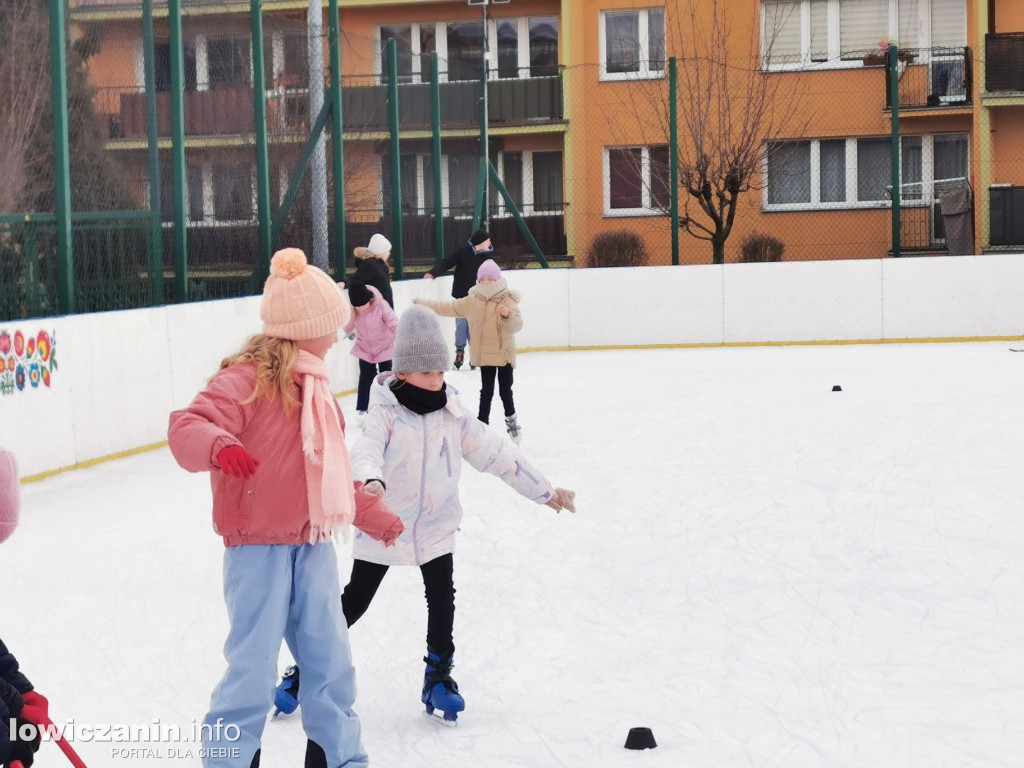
487,373
366,373
438,587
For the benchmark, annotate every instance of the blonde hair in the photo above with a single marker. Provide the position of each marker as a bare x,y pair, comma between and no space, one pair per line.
275,360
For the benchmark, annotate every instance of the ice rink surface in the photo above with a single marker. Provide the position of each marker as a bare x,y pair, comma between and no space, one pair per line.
763,571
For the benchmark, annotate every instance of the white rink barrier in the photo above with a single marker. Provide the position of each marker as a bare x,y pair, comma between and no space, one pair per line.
109,380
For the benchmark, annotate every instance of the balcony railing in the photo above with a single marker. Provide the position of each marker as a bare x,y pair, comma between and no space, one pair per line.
228,111
1004,62
513,101
933,77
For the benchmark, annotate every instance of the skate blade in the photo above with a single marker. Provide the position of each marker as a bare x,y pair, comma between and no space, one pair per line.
439,717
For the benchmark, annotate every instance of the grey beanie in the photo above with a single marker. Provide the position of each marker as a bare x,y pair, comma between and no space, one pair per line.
418,343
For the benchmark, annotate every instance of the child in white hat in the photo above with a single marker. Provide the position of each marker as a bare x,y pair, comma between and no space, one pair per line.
372,266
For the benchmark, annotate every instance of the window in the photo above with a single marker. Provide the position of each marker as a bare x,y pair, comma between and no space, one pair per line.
543,46
633,43
799,33
402,35
856,173
465,50
789,171
410,183
232,192
533,179
519,48
295,58
862,23
162,66
508,48
228,63
547,181
636,180
832,171
193,192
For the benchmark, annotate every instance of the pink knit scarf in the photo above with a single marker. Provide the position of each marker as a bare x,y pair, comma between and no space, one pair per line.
328,466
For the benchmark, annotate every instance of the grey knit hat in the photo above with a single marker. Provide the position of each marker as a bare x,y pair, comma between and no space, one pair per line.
418,343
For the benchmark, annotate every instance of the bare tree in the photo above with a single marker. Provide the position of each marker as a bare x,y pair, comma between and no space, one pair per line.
24,89
729,111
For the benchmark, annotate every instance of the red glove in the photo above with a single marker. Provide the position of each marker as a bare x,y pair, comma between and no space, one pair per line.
234,460
392,532
36,709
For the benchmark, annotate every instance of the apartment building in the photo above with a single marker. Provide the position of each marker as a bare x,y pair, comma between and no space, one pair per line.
577,151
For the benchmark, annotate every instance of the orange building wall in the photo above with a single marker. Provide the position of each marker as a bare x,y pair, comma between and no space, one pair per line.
1008,145
1009,16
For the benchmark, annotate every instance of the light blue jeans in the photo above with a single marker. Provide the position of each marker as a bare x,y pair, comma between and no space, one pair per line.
461,332
274,592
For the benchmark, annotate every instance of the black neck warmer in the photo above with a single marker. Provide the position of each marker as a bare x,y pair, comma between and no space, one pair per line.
419,400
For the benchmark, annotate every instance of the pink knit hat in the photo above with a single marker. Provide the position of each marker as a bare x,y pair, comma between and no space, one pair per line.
9,495
301,301
490,270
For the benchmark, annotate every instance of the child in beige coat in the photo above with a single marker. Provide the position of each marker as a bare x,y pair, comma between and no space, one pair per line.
492,309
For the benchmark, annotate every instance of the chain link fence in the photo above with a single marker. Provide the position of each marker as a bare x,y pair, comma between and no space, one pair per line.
783,158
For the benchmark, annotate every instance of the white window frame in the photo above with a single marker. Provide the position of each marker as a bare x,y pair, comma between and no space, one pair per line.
645,73
851,202
441,45
834,31
645,185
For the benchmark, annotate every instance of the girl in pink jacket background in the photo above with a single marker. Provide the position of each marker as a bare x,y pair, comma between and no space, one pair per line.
374,323
270,433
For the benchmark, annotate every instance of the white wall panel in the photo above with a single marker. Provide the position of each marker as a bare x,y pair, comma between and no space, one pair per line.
120,365
803,301
645,305
953,296
120,373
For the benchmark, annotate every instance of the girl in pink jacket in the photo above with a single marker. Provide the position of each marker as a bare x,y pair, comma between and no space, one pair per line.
374,323
272,437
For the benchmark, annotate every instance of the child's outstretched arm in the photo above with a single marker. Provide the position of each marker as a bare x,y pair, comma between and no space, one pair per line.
452,308
197,434
489,451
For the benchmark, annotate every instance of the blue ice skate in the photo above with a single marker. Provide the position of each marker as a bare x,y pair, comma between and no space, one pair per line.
286,697
439,690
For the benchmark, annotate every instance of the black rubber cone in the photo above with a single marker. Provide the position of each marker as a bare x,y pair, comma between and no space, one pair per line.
640,738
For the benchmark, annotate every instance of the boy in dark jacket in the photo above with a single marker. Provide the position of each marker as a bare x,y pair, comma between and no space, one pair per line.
466,261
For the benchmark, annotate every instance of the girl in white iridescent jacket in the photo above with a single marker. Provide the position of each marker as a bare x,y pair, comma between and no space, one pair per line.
414,440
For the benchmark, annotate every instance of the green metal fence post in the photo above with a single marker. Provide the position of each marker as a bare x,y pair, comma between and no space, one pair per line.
673,158
337,138
481,185
179,194
61,156
156,248
893,73
435,127
396,159
259,103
